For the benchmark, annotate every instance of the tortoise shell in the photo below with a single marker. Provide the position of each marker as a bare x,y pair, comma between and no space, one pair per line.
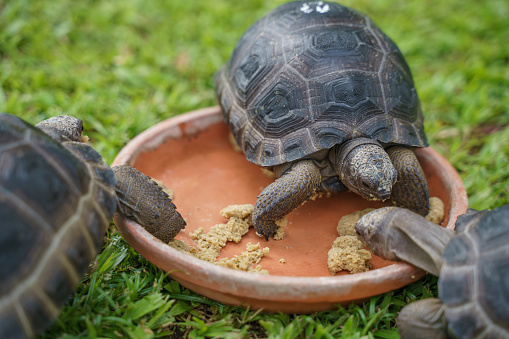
56,201
474,280
311,75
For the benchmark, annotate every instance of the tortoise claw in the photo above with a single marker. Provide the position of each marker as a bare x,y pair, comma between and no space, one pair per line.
265,228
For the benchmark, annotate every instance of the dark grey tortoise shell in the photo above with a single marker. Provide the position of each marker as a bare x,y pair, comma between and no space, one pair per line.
311,75
56,201
474,280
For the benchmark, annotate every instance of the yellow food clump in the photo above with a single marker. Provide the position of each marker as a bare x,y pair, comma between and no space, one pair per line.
242,212
244,262
209,244
281,223
436,210
346,225
348,253
182,246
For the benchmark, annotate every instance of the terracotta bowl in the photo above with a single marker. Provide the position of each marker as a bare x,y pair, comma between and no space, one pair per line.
191,154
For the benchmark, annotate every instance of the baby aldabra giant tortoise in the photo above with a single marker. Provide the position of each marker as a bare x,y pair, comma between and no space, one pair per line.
473,265
57,197
317,93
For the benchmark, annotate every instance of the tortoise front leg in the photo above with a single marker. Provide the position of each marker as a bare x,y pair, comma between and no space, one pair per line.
423,319
411,189
288,192
141,199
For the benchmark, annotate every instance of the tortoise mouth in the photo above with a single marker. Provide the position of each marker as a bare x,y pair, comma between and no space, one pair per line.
370,188
376,196
384,196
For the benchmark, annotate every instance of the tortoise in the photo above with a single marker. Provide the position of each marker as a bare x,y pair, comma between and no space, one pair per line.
315,92
57,197
472,265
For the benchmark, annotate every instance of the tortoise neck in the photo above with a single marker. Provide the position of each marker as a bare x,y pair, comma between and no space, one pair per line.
399,234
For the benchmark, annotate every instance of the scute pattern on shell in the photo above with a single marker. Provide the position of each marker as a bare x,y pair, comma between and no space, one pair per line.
311,75
55,204
474,280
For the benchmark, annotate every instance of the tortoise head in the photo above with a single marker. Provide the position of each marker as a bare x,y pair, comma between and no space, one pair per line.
63,128
365,168
395,233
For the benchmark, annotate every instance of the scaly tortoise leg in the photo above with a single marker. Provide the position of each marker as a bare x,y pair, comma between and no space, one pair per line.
143,200
288,192
411,189
423,319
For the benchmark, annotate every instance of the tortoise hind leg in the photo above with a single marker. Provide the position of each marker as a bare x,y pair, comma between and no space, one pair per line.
423,319
411,189
294,187
143,200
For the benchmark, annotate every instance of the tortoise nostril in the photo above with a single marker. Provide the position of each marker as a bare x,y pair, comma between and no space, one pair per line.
365,184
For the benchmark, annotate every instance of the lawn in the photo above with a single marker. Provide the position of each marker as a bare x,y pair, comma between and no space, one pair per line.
125,65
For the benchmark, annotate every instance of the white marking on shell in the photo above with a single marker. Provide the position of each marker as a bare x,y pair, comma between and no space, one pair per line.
306,9
322,9
319,7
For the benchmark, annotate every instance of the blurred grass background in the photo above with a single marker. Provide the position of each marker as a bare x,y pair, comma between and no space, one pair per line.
125,65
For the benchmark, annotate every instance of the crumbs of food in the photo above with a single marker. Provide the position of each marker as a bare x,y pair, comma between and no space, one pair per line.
282,261
348,253
245,261
243,212
346,225
436,212
182,246
209,244
319,195
280,233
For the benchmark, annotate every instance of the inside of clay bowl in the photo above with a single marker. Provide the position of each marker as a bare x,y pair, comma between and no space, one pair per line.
192,155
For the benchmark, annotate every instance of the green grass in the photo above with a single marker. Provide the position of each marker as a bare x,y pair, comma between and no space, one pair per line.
124,65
